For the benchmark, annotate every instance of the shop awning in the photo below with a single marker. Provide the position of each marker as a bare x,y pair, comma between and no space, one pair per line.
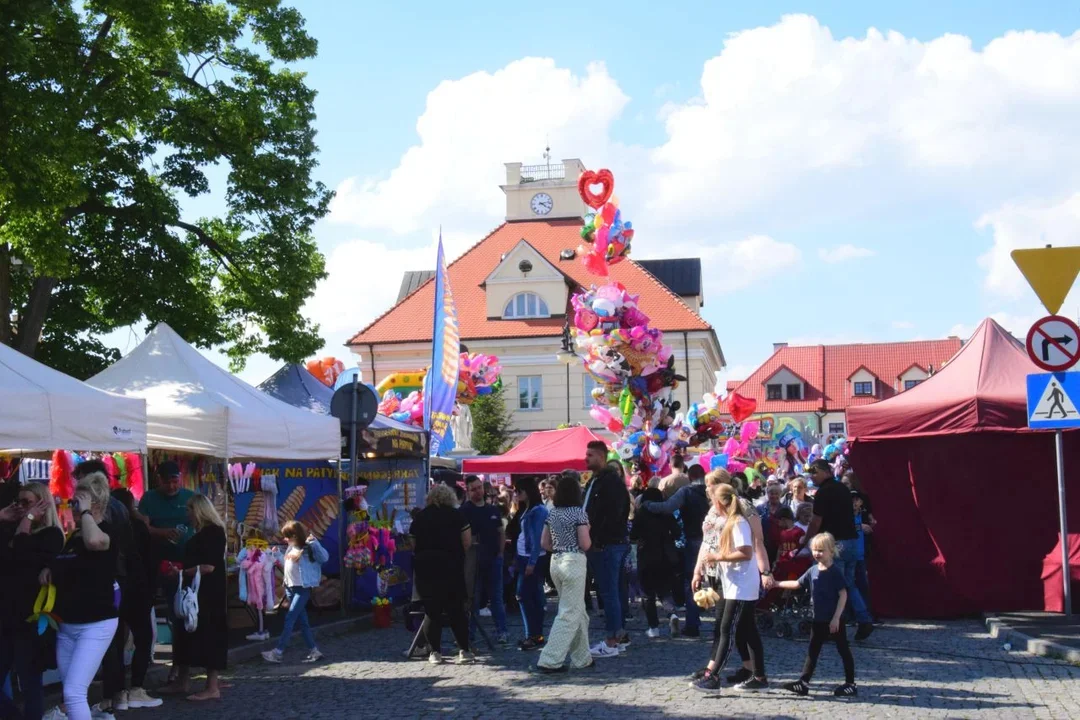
547,451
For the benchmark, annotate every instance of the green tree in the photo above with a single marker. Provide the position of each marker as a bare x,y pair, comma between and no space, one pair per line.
492,423
112,112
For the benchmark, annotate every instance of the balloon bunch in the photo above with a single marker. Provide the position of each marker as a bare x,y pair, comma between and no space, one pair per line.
835,453
478,374
408,410
326,369
605,229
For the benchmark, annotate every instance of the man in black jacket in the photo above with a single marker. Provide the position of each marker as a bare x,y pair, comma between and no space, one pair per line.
607,503
692,504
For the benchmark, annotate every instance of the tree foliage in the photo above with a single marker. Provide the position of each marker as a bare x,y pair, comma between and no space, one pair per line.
114,111
492,423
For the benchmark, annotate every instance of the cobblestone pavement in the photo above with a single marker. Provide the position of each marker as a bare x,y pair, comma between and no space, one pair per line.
909,669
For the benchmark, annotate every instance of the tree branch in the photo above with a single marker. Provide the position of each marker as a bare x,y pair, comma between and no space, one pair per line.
37,309
5,294
201,66
95,47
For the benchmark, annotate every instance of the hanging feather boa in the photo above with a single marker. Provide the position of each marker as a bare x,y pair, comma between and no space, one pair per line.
112,471
61,476
121,468
133,463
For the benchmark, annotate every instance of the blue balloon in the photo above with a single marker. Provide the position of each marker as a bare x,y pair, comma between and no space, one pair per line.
718,462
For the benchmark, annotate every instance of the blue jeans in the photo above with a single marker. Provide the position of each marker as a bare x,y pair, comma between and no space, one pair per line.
489,584
17,659
862,582
693,613
297,598
845,560
607,565
530,595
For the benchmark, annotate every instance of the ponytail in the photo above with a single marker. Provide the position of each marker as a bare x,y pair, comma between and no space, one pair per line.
725,496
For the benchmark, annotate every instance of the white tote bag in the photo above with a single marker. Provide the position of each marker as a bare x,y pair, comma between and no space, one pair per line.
186,604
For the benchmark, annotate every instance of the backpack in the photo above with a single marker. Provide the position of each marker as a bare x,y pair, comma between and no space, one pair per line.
186,604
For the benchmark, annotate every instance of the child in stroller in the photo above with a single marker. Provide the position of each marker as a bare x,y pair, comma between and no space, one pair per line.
784,611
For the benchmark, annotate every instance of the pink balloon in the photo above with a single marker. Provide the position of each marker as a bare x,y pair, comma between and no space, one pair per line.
705,460
731,447
749,431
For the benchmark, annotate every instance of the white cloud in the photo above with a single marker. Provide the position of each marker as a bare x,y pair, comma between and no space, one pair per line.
902,325
843,253
733,372
1017,324
744,262
469,129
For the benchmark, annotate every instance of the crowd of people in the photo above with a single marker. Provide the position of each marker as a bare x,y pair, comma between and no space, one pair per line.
690,542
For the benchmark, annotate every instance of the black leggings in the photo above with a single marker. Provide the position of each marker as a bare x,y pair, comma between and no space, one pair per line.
820,635
454,609
736,625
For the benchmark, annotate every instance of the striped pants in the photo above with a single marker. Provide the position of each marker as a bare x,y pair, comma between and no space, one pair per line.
570,631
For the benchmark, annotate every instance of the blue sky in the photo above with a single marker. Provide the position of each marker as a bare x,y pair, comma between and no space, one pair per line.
841,184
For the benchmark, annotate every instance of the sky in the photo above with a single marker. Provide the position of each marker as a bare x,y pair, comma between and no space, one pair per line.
848,172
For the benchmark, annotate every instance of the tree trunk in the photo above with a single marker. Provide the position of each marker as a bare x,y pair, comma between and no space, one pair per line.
5,294
37,309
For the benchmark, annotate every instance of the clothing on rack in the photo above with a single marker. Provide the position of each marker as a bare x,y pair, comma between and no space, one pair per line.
34,471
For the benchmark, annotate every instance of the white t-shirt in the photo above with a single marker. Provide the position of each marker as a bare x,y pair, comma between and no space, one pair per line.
293,577
521,544
741,580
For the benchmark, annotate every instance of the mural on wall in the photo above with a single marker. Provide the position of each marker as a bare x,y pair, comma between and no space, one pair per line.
782,443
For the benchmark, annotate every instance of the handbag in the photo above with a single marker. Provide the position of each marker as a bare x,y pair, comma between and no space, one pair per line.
186,603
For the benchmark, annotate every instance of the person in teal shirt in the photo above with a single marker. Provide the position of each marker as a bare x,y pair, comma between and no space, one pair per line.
165,508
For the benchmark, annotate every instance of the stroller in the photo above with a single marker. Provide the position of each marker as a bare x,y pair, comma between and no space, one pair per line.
786,612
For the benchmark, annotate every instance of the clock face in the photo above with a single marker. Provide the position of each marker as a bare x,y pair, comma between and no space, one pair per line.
541,203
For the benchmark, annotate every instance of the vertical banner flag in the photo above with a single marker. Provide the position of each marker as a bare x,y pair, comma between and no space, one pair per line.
440,385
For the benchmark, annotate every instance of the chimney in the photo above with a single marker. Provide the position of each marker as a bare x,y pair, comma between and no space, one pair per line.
777,347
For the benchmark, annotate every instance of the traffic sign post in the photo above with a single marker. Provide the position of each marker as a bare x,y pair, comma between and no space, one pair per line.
1051,407
1053,343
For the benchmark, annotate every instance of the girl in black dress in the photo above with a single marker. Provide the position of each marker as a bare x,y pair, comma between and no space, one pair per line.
207,646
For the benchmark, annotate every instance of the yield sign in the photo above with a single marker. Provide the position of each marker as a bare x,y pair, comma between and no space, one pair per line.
1050,271
1053,343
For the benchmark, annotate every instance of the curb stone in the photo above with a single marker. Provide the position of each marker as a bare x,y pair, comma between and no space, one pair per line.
1034,645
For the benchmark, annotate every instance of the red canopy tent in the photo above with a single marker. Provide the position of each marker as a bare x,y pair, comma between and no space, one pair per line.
964,494
546,451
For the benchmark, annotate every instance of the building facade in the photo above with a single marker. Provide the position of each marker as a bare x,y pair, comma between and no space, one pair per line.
512,291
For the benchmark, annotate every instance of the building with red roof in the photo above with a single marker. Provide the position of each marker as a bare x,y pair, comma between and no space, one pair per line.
512,291
814,385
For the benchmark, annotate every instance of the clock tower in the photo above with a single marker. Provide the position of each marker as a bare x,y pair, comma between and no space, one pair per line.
543,192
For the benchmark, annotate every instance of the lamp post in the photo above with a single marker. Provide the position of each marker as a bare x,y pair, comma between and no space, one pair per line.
566,356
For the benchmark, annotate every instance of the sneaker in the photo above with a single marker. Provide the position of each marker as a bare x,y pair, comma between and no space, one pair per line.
529,644
753,684
54,713
96,714
313,656
864,631
259,636
120,702
798,687
689,632
435,658
698,674
603,650
624,640
484,612
741,675
707,683
272,656
544,669
137,698
652,633
846,690
673,623
104,706
464,657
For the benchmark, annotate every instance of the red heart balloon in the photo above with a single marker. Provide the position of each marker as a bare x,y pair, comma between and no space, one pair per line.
604,179
586,320
740,407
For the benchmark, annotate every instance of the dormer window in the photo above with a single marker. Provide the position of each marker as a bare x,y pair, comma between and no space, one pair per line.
864,389
526,305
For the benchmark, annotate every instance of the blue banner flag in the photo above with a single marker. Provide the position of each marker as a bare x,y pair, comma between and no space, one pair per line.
440,385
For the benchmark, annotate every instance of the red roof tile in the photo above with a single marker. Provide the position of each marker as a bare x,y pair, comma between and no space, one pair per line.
410,320
826,370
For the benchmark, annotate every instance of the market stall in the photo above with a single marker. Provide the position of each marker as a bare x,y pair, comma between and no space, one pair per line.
546,451
962,489
209,421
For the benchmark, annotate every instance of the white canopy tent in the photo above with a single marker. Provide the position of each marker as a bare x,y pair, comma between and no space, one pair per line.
194,406
46,410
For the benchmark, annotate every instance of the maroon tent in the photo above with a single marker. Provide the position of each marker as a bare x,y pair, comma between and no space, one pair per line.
964,494
546,451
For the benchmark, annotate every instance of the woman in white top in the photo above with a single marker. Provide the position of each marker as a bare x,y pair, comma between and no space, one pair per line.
741,583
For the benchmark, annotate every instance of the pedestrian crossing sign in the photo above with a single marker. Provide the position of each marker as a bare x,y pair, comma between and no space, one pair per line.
1050,401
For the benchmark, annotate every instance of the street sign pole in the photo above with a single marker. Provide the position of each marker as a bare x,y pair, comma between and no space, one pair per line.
1065,569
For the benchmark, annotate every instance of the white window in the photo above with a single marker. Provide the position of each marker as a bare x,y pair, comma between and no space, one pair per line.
794,391
908,384
864,388
774,392
836,428
526,305
590,384
530,392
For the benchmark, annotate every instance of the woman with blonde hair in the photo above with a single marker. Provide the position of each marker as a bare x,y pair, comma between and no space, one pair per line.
741,583
442,536
206,646
30,537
